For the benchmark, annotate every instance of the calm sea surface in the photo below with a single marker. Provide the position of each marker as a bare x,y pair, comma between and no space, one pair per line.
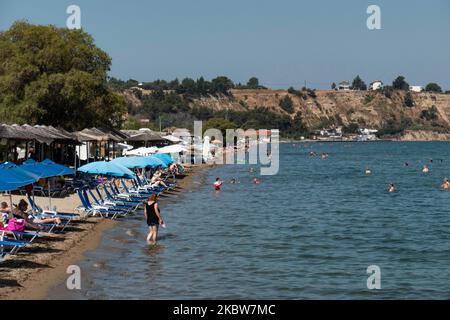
309,232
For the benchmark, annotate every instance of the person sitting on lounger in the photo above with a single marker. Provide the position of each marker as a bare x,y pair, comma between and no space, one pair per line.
157,181
4,212
32,222
173,168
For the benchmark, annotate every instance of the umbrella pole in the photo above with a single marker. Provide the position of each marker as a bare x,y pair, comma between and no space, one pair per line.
49,196
10,202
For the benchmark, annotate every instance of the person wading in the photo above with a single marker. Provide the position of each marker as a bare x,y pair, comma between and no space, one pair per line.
153,217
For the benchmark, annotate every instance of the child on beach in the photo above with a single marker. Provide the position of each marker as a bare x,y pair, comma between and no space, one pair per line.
153,217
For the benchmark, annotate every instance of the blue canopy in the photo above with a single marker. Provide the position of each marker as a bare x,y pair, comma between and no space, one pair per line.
41,170
13,177
109,169
164,157
139,162
64,171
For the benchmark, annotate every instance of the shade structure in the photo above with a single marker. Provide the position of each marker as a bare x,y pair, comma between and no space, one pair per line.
175,148
139,162
13,177
141,151
108,169
164,157
44,170
64,171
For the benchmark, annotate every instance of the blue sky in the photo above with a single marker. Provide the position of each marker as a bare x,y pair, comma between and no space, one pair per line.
283,42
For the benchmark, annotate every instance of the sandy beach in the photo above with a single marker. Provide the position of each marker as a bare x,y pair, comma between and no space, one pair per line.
34,270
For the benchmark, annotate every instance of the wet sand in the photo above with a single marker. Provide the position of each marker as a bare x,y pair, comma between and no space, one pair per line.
34,270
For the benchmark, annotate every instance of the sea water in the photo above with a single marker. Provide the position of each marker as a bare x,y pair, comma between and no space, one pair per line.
309,232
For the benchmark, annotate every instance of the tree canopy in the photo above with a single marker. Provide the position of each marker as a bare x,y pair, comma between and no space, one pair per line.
55,76
433,87
400,83
359,84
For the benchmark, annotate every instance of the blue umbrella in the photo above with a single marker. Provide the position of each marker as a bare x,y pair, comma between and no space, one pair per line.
12,174
64,171
164,157
12,178
40,169
139,162
156,162
107,169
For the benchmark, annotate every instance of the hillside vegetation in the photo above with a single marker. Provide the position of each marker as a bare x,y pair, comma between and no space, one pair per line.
300,112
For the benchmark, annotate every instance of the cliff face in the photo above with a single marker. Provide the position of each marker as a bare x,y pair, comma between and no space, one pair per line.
367,108
321,108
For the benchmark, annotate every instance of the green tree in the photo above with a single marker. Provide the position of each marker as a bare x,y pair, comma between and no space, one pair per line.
433,87
400,84
221,85
253,83
220,124
430,113
55,76
359,84
409,100
286,104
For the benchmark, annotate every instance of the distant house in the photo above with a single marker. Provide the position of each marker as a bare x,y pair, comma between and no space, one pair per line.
344,86
375,85
416,88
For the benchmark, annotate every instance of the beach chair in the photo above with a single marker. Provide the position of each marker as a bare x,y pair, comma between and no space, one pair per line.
109,203
8,246
22,236
95,209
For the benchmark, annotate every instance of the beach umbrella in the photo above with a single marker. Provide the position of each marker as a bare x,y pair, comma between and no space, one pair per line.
41,170
164,157
109,169
139,162
46,169
64,170
54,167
141,151
174,148
13,177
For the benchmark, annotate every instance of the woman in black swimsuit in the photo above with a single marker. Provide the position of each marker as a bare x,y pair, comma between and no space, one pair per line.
153,217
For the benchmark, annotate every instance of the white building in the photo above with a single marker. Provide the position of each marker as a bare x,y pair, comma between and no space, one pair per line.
375,85
344,86
415,88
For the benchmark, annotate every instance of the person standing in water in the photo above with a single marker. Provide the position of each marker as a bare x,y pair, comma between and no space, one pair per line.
217,184
153,217
425,169
445,184
391,188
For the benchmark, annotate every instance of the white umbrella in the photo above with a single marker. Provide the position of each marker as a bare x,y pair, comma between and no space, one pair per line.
175,148
172,138
141,151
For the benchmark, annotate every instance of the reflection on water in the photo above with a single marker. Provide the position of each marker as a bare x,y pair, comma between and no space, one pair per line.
309,232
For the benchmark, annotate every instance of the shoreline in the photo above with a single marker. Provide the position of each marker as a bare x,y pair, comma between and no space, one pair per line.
31,273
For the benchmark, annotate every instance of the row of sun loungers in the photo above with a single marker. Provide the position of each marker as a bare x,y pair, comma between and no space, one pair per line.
104,199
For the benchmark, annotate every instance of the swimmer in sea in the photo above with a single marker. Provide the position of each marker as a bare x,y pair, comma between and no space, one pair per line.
425,169
217,184
251,170
256,181
368,171
391,187
406,164
445,184
233,181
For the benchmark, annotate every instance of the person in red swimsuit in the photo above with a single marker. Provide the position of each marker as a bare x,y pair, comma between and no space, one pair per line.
217,184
